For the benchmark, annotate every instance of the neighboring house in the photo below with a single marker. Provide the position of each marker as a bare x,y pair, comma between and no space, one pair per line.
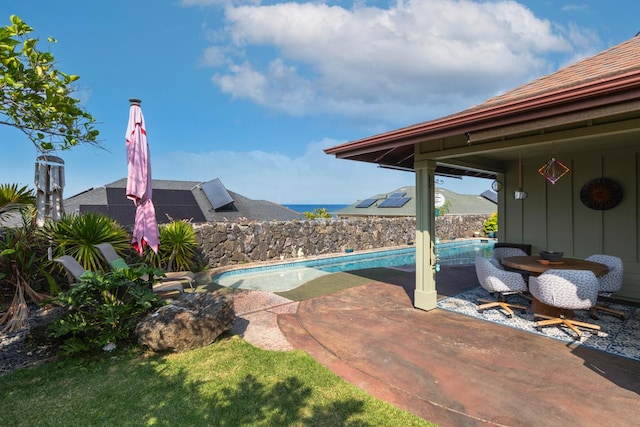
191,200
402,202
586,116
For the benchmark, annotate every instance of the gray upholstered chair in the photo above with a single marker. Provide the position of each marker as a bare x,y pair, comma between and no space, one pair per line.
501,282
610,283
504,252
76,270
567,290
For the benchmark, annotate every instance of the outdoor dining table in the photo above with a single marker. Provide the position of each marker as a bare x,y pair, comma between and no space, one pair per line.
534,266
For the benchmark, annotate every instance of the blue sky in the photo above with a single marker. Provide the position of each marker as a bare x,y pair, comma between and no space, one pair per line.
251,92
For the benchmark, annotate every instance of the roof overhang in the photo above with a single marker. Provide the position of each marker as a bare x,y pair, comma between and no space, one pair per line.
580,105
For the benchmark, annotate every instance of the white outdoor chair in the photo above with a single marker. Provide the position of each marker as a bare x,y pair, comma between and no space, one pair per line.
610,283
567,290
501,282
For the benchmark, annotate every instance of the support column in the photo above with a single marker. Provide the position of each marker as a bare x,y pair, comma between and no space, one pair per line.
425,294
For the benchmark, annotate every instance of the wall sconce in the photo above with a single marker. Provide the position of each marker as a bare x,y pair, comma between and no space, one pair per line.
520,194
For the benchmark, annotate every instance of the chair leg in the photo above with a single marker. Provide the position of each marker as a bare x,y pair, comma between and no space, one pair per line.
570,323
505,306
594,311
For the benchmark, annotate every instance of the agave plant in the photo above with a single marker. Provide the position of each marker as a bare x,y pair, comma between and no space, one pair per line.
177,247
77,235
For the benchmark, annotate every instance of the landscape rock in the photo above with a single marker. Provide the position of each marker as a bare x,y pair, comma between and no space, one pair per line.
191,321
39,323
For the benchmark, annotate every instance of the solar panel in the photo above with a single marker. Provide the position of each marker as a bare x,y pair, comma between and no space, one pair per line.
394,202
216,193
397,194
366,203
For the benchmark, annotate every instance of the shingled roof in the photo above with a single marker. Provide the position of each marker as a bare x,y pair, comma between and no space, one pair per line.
176,200
607,78
457,204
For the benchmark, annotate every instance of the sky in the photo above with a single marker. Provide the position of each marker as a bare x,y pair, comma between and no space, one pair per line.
252,91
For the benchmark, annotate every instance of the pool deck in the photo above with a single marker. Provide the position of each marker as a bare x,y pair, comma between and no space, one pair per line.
455,370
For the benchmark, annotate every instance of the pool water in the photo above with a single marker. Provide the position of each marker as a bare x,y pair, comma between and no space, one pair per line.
287,276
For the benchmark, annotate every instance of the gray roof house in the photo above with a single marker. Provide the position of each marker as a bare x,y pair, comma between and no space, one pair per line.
402,202
191,200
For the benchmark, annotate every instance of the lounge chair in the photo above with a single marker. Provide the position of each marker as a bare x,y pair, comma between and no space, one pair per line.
73,267
116,261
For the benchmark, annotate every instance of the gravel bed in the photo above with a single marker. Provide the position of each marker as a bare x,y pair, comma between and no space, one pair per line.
16,352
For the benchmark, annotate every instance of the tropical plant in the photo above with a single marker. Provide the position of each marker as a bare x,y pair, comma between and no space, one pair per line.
177,247
36,96
104,308
491,224
13,199
77,235
317,213
22,257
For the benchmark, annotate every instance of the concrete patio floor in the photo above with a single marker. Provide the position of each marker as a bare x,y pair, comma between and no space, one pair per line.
455,370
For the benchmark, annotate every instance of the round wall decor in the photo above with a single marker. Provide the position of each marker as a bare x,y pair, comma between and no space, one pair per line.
601,194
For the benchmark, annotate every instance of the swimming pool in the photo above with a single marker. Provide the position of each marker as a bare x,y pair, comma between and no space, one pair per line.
286,276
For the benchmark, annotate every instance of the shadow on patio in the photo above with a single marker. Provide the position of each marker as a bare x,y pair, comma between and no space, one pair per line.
453,369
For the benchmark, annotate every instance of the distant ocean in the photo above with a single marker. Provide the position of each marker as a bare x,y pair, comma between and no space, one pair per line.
311,208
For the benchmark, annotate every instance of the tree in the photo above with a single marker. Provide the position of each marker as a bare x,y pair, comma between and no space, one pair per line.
35,97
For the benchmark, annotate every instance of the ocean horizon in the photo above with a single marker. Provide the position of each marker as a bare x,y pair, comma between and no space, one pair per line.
331,207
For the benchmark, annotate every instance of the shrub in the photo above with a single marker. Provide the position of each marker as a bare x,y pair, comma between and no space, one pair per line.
318,213
76,235
177,247
104,308
491,224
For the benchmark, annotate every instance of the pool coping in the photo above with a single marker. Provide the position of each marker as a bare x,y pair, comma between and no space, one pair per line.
288,261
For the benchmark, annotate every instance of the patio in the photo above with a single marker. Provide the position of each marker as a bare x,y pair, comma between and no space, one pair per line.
453,369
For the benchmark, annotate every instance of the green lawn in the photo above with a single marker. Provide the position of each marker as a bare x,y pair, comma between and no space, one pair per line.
229,383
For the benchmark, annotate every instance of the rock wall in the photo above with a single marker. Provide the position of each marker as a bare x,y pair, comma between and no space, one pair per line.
230,243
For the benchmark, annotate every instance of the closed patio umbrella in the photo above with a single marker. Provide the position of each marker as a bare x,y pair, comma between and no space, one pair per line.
145,230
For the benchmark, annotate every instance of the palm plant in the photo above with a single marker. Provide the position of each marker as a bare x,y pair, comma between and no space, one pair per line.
13,199
22,257
77,235
177,247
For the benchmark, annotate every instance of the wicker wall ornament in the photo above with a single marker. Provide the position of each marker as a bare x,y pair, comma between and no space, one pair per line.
601,194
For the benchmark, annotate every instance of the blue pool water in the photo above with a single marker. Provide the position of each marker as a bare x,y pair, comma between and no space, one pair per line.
282,277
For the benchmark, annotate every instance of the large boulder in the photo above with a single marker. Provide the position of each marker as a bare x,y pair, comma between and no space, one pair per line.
193,320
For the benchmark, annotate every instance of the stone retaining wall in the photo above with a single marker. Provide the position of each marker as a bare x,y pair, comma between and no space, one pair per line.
230,243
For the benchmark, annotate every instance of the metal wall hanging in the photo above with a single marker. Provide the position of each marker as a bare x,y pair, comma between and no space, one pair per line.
601,194
553,170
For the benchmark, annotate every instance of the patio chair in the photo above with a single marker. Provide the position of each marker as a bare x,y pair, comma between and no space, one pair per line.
116,261
501,282
610,283
75,270
568,290
504,252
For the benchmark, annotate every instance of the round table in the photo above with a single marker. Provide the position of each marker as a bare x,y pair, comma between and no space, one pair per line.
534,265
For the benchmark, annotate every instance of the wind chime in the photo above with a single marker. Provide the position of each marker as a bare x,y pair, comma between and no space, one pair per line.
520,194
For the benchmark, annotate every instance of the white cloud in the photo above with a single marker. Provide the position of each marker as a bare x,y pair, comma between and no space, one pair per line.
410,61
314,177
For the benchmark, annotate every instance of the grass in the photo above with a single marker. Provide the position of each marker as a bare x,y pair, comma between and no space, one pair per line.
229,383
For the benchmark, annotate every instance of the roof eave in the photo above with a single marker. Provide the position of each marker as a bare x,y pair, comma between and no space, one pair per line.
621,88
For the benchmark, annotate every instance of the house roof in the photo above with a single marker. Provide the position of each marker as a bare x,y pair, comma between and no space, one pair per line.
610,77
457,204
177,200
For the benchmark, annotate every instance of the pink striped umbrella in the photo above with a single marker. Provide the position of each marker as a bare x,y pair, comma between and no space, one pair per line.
145,230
